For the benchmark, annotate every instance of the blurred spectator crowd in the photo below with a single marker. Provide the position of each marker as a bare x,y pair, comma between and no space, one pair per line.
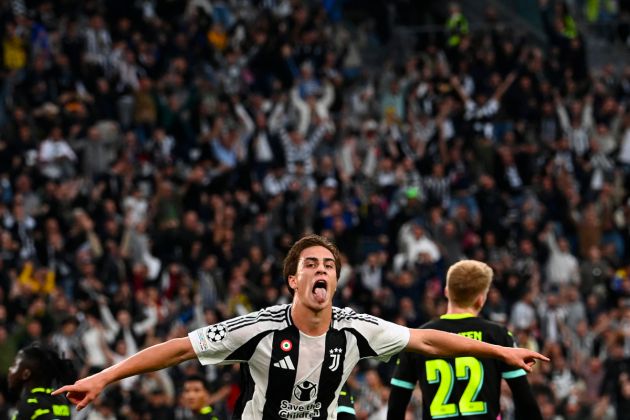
158,158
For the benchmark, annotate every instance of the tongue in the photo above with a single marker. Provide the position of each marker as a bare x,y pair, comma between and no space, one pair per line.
320,294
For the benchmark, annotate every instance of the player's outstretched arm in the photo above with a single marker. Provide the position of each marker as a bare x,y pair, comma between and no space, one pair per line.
444,344
156,357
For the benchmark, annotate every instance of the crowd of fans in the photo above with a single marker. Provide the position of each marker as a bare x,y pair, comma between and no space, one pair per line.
158,158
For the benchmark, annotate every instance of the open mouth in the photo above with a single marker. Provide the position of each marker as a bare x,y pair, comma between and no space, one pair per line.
320,291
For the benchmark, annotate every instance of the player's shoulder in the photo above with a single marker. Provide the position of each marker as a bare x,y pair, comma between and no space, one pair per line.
269,318
493,331
475,321
348,316
432,324
276,314
494,328
274,310
485,323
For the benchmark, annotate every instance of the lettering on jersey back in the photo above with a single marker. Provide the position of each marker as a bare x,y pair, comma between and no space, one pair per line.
475,335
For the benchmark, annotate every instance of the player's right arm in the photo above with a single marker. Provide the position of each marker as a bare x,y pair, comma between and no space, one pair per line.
153,358
443,344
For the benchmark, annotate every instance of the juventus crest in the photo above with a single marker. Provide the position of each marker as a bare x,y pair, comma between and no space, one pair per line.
335,355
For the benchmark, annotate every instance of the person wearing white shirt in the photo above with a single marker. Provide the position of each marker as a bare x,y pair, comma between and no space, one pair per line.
56,157
562,267
523,314
413,242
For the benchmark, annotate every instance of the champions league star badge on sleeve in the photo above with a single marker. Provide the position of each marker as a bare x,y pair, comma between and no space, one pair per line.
216,332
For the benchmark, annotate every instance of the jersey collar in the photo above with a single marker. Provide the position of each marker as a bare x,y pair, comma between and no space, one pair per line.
458,316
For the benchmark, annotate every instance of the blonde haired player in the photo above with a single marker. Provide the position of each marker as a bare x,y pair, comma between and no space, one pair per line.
466,386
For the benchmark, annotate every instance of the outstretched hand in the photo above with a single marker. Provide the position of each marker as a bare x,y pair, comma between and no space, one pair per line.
523,358
83,391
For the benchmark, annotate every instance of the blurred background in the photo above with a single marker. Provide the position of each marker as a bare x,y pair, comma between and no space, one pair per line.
158,158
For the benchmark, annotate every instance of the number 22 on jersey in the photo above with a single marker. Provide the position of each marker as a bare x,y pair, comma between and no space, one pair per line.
466,369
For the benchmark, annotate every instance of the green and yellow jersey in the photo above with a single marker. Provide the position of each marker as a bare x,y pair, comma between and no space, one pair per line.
38,404
345,404
206,413
461,387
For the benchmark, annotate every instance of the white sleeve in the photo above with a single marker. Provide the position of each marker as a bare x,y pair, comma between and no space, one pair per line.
388,339
220,343
376,338
214,344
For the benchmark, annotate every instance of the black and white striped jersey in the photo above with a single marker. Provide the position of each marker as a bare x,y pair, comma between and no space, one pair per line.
296,376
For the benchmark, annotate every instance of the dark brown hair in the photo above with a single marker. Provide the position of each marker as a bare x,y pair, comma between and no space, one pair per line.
293,256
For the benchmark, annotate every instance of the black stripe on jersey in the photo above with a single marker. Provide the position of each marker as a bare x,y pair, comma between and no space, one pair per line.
365,318
286,342
332,369
247,391
249,322
365,350
339,315
280,313
254,315
246,351
273,316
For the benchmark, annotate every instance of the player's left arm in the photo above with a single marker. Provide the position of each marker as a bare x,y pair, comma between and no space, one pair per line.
403,382
345,404
443,344
525,406
398,402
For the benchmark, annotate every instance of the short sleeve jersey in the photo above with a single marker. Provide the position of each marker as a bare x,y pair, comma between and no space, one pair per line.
296,375
461,387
